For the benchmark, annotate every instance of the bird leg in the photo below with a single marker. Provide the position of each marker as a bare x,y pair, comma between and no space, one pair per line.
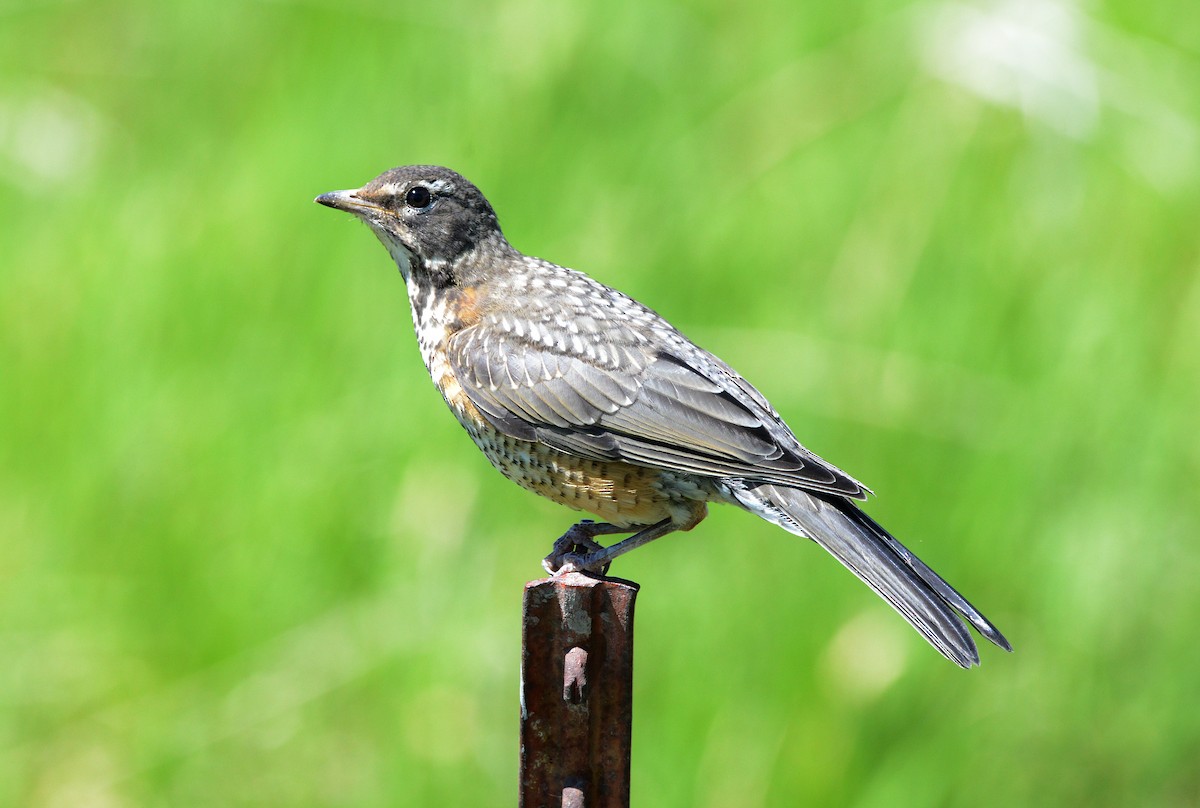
565,557
578,543
599,559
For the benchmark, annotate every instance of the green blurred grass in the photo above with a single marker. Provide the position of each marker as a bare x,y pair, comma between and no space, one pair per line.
248,559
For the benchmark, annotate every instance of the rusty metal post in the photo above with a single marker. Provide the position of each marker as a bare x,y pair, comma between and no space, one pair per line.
576,692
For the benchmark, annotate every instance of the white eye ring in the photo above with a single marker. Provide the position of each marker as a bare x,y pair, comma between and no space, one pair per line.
418,197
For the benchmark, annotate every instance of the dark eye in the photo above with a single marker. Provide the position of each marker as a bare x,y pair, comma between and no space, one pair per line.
418,196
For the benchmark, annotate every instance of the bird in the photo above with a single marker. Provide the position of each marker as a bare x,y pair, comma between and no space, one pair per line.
579,393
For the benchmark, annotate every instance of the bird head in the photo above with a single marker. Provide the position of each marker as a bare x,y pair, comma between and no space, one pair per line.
426,216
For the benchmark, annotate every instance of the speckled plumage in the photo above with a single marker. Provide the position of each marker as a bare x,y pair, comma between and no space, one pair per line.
579,393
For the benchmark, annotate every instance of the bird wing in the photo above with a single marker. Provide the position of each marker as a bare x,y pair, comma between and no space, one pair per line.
648,397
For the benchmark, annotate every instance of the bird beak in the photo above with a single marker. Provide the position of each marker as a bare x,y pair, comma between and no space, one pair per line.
348,201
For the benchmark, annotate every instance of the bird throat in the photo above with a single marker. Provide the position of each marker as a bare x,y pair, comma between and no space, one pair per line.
396,249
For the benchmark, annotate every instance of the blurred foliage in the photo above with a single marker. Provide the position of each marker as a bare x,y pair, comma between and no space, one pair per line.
246,557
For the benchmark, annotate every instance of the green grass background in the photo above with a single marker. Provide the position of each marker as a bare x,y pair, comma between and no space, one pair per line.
247,558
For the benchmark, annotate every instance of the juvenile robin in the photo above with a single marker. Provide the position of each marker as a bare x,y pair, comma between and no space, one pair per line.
585,396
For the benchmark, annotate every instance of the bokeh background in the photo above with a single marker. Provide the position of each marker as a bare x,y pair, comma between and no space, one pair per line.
247,558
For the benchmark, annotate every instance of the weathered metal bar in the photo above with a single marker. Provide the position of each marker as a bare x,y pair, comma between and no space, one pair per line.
576,692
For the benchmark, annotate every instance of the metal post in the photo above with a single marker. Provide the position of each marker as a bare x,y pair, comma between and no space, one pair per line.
576,692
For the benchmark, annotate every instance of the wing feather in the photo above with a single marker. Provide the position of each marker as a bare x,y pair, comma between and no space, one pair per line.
609,399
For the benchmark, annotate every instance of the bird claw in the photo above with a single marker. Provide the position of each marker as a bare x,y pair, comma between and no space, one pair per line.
575,551
576,562
563,564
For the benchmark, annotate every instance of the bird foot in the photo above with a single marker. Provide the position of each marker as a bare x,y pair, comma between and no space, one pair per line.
573,550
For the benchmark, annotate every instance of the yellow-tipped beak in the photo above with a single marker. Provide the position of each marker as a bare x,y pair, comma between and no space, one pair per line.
348,201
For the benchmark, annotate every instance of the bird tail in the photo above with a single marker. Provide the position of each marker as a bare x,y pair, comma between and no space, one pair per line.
914,590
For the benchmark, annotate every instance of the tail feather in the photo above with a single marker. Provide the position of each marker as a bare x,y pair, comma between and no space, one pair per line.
918,593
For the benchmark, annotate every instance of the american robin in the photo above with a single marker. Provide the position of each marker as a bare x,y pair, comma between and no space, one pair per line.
585,396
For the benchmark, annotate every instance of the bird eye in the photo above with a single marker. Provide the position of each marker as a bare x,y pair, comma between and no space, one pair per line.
418,196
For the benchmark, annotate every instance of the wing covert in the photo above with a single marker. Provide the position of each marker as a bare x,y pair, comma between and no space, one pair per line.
621,400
